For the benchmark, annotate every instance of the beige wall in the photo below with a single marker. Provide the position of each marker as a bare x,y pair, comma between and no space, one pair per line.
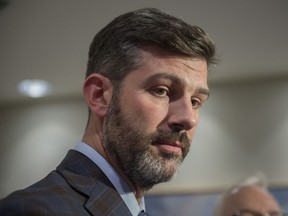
35,137
243,128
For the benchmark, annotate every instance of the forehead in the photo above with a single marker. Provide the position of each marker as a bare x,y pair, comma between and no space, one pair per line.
155,55
157,60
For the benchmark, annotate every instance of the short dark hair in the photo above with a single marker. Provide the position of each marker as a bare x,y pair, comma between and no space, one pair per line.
114,51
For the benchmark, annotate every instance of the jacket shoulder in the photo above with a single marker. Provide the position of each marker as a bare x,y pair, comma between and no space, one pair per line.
50,195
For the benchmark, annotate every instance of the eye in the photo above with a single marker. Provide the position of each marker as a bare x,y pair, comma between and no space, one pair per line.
160,91
196,103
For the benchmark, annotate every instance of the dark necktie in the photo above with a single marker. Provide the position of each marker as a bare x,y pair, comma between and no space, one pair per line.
142,213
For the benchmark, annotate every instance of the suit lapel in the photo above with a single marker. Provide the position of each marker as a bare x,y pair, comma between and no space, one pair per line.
106,201
85,177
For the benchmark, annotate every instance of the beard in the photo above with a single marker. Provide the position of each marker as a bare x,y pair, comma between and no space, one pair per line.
131,148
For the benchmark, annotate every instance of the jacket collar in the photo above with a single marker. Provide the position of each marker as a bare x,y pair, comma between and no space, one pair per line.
85,177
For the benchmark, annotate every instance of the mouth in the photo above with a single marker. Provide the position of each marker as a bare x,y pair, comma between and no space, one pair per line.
171,144
170,147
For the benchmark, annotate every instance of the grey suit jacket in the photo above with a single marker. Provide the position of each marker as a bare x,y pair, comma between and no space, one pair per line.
76,187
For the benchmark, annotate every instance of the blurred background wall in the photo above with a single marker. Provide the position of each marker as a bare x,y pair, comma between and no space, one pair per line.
35,137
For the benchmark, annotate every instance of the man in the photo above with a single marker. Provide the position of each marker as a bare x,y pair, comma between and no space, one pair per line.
249,198
146,80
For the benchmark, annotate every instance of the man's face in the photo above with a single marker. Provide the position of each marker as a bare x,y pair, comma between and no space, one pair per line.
151,120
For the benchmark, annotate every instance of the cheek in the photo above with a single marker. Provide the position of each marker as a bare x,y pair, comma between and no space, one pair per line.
146,113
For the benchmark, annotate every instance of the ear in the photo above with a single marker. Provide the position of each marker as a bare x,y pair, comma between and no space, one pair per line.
97,90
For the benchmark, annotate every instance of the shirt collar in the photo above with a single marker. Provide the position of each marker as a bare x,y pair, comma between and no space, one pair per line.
121,186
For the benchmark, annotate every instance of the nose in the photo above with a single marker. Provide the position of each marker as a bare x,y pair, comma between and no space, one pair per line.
182,116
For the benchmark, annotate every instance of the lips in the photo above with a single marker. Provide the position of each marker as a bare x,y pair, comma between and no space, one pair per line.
170,147
174,144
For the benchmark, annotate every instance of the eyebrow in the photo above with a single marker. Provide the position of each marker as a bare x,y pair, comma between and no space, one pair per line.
204,91
177,80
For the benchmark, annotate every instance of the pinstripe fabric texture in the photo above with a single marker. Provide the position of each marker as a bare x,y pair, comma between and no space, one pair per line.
76,187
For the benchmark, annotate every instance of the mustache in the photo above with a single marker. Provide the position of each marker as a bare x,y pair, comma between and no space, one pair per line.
158,137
